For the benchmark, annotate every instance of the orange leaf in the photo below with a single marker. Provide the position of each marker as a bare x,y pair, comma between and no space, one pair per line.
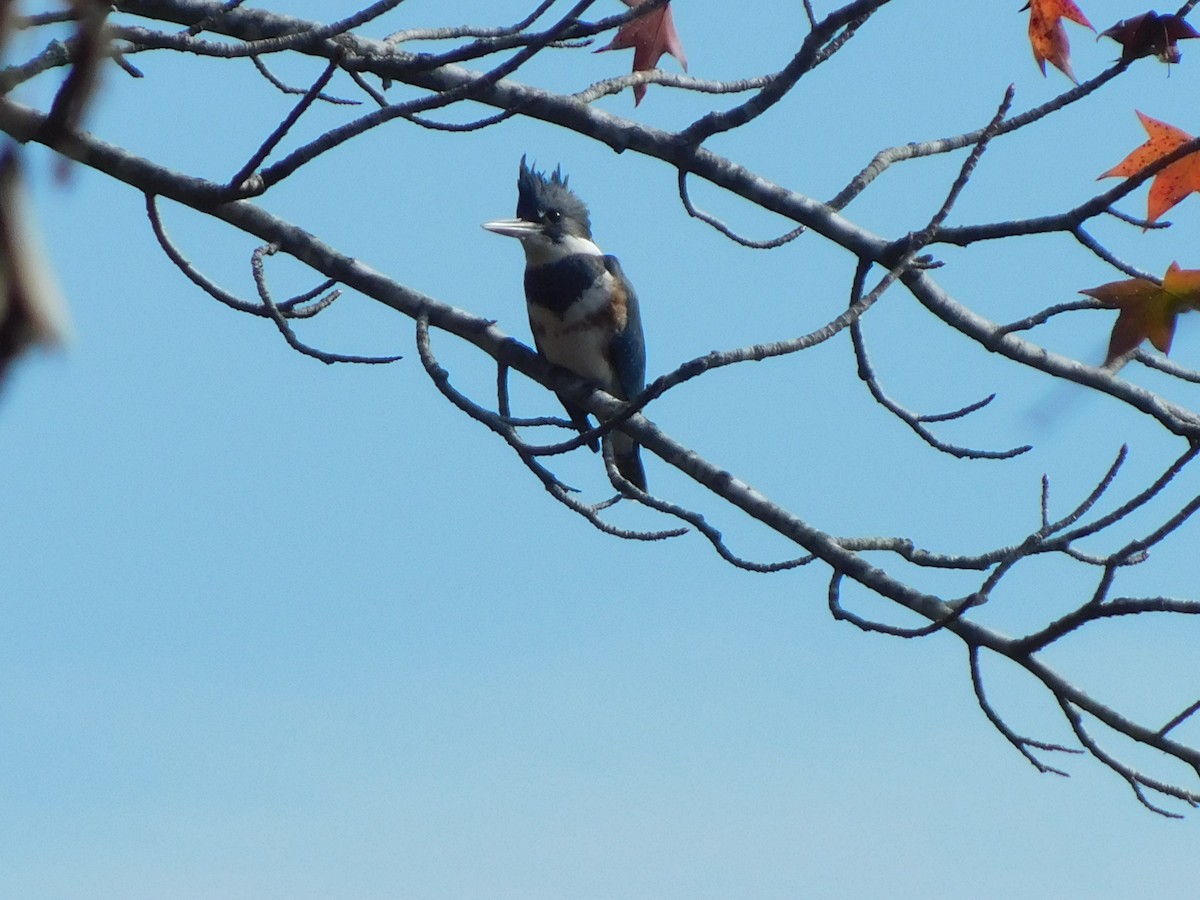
1147,311
650,36
1184,287
1174,182
1047,35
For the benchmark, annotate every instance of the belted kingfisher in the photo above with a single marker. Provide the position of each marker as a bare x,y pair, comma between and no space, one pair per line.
583,311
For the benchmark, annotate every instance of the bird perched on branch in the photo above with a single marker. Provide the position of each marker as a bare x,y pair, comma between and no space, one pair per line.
583,311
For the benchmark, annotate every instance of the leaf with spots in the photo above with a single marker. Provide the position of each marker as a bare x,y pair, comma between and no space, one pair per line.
1047,35
1173,183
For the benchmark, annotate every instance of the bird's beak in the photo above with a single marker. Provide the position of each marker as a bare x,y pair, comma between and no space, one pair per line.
517,228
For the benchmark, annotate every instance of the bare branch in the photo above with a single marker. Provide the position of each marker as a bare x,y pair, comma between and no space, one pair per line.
1045,315
884,159
809,55
277,316
1181,718
720,226
272,141
1164,365
1137,782
287,89
193,274
437,34
560,492
1024,745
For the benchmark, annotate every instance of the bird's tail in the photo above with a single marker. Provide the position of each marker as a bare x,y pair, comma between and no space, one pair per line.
626,453
579,418
628,457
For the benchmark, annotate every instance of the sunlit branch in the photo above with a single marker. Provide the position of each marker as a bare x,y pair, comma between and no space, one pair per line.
556,488
1043,316
884,159
809,55
454,33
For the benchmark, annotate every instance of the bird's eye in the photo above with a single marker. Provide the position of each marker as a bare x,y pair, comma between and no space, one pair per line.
553,215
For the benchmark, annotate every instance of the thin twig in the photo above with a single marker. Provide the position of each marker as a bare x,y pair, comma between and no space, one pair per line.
273,139
288,89
720,226
277,316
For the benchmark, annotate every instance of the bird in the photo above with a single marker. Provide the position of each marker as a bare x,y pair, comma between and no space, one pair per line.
583,311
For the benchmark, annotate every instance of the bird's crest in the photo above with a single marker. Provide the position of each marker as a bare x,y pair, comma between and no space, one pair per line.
538,192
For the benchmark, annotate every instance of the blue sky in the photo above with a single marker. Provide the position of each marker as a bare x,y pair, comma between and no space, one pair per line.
277,629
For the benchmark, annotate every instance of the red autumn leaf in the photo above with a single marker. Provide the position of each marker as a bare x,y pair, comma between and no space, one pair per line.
1151,35
1147,311
1047,35
1174,182
650,36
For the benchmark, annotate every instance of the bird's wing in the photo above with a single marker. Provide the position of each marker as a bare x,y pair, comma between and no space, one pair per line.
628,347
